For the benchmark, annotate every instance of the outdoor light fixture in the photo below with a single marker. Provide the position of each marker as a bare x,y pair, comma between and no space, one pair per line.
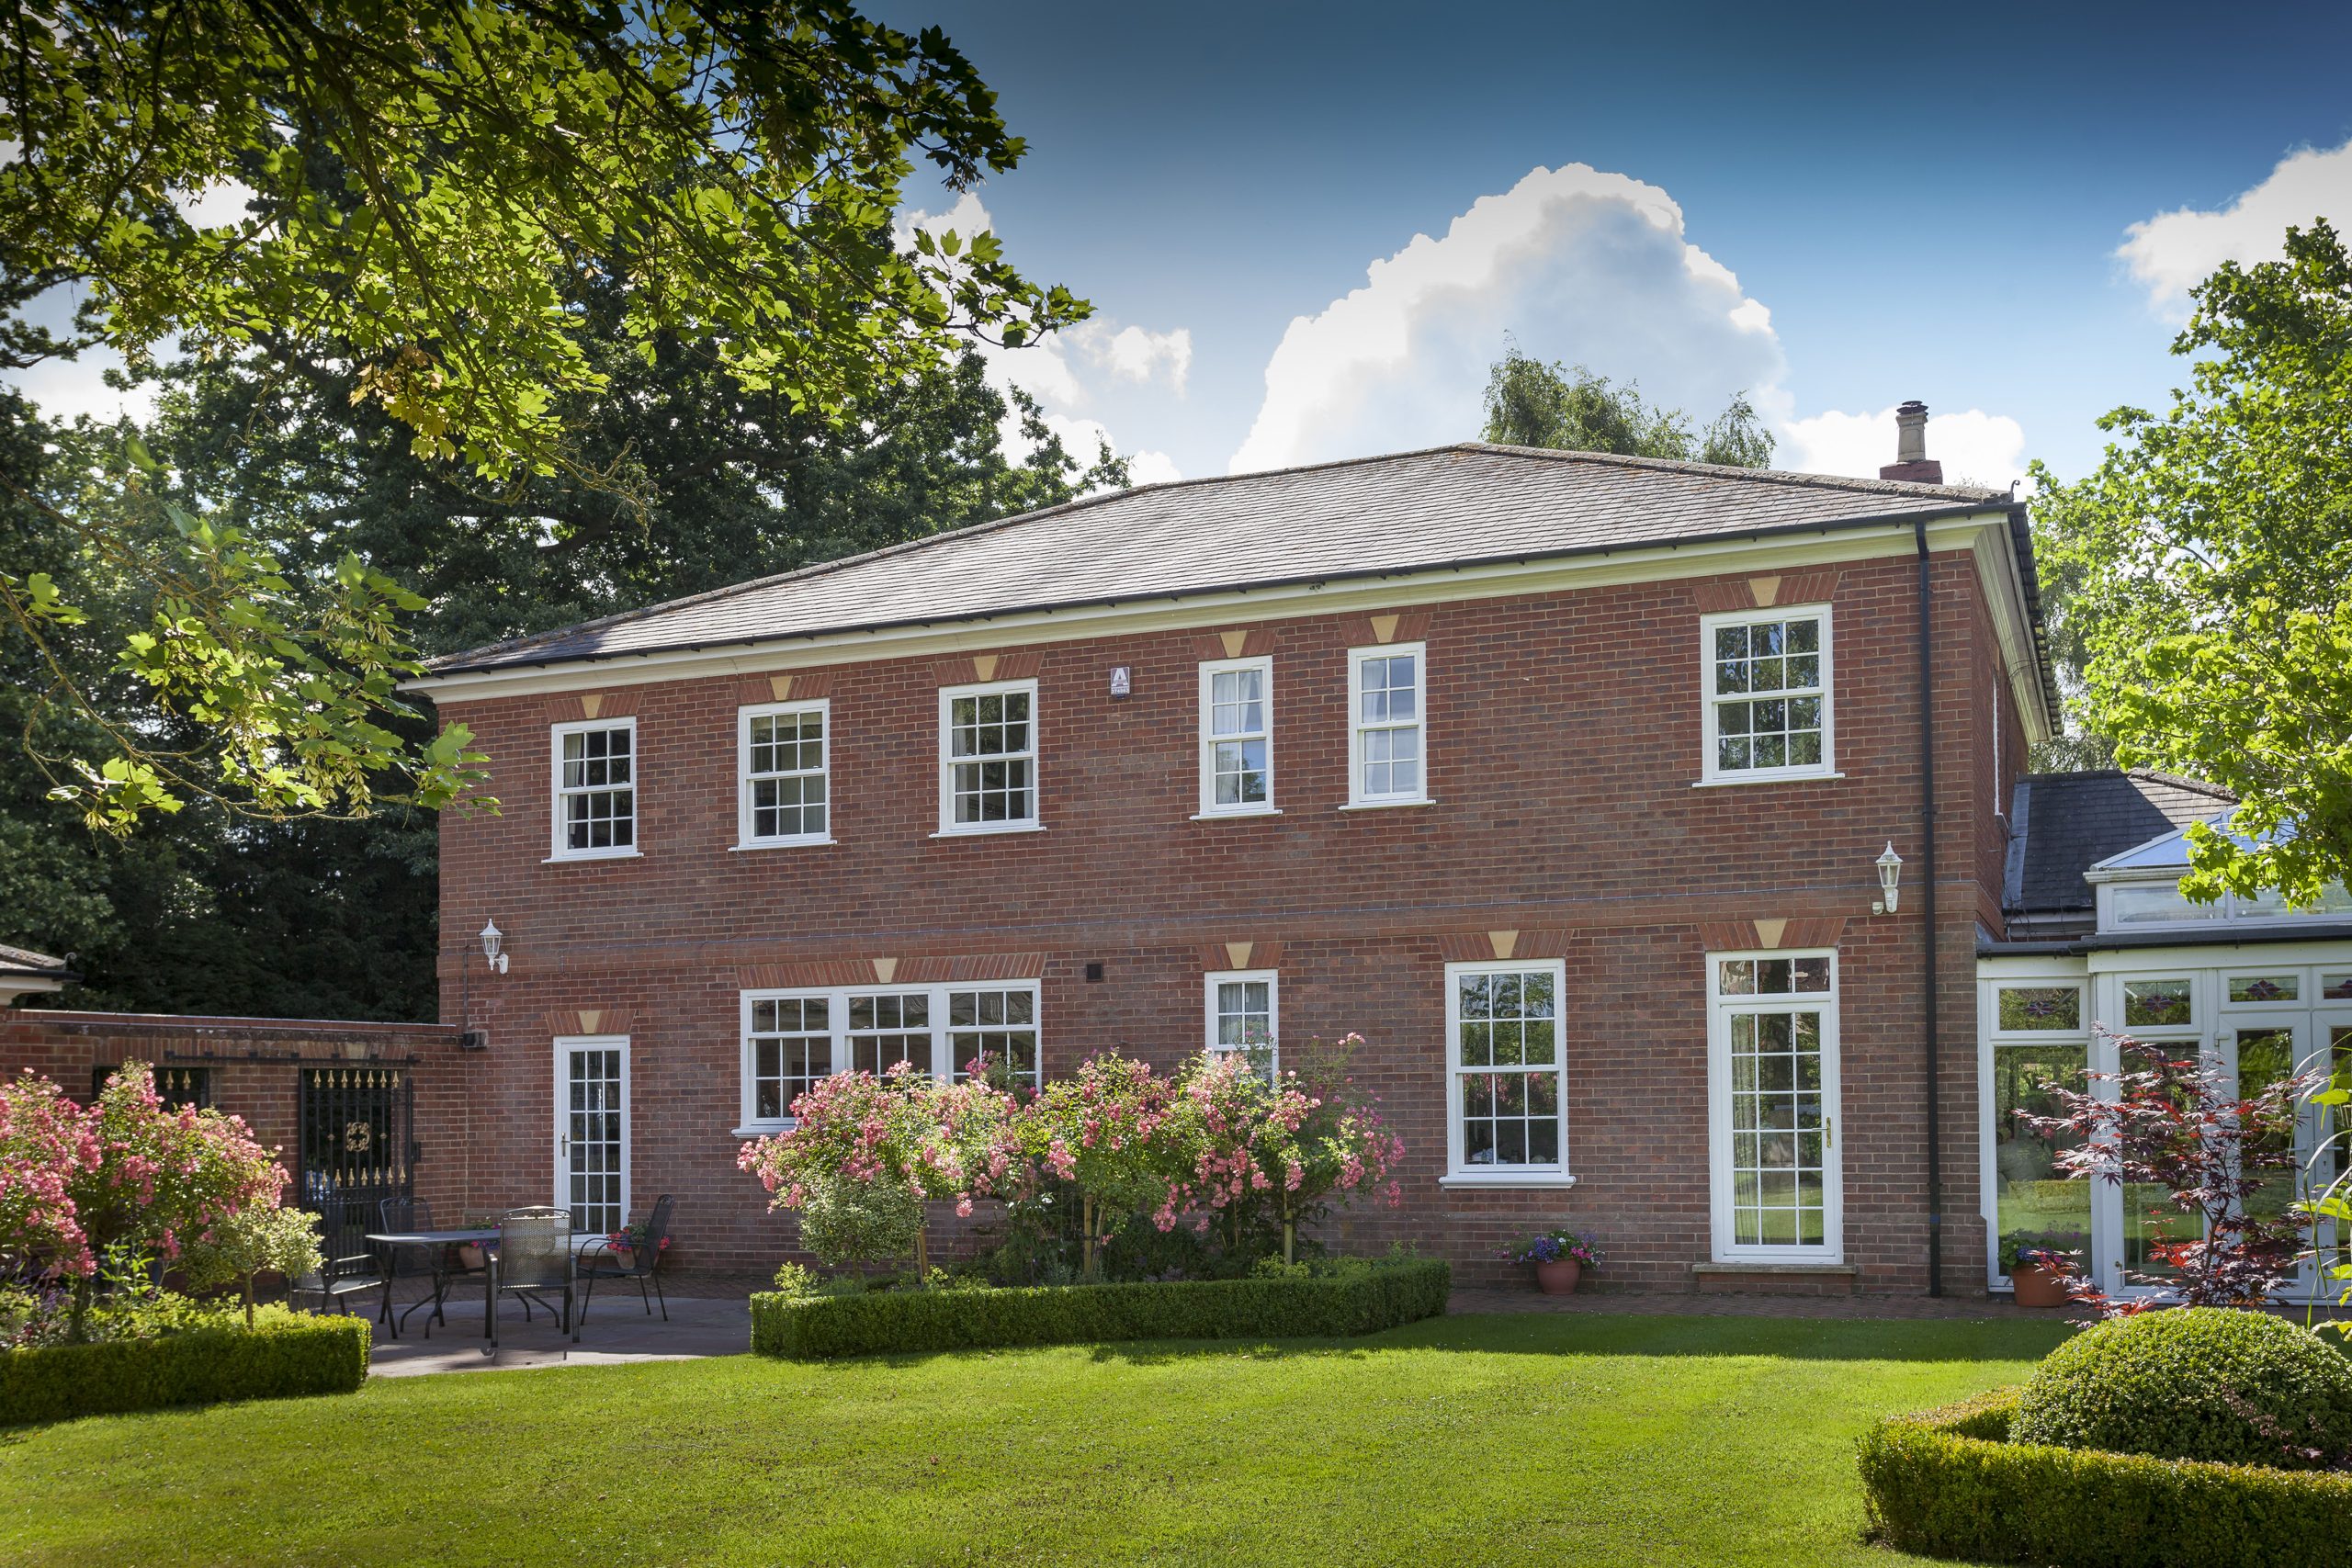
1890,877
492,937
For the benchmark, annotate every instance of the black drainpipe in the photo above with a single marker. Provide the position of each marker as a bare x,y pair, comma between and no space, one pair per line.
1928,913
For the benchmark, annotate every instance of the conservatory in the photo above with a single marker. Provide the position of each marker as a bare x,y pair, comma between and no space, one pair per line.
2260,990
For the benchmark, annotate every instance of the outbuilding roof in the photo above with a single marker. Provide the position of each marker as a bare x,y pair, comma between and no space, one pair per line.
1448,506
2064,824
25,961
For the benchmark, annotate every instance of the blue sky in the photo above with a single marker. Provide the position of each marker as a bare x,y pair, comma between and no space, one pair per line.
1927,202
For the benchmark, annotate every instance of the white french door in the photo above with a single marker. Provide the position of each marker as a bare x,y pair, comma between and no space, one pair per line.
1773,1107
591,1131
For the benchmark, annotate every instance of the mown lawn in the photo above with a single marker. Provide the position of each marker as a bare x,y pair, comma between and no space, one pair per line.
1506,1440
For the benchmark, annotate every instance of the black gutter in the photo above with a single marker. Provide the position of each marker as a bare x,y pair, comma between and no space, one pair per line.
435,671
1928,986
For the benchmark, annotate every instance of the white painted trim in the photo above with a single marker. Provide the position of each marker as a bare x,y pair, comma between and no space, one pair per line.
1992,974
1272,977
1233,816
564,1045
1709,773
1434,585
744,838
1456,1172
1210,670
837,999
1832,1248
948,826
1357,657
557,849
1732,780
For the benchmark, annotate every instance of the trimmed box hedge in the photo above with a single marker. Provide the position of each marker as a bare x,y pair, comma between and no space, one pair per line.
1361,1299
284,1354
1949,1484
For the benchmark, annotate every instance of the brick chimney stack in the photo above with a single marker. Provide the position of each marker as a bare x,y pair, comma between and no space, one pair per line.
1911,460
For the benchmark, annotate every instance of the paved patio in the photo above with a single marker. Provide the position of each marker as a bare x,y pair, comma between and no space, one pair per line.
616,1330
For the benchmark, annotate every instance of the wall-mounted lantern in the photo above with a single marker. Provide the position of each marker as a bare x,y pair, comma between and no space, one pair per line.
1890,879
493,938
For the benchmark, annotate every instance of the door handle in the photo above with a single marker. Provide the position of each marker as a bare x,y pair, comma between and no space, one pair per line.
563,1144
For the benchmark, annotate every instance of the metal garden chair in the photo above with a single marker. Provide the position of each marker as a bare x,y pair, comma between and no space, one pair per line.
644,1265
436,1263
534,1260
350,1264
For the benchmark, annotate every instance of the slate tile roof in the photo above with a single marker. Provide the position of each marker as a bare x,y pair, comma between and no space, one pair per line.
1414,511
2066,823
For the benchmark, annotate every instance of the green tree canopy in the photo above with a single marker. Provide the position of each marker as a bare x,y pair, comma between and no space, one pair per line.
1568,408
2206,569
423,184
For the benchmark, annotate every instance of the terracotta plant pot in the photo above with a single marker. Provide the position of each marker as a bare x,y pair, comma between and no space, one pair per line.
1559,1277
469,1256
2038,1286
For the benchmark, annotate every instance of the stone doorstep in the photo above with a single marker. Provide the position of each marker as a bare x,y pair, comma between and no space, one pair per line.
1776,1278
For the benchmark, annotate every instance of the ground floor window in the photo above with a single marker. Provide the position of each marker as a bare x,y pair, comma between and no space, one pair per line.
1241,1014
791,1039
1773,1106
1506,1074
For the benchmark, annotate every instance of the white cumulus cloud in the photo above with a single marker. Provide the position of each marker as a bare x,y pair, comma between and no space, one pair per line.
2174,250
1975,447
1577,264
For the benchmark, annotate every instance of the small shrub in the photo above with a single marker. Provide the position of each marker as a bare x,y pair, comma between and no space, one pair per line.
283,1355
844,1220
1949,1483
1318,1300
2199,1382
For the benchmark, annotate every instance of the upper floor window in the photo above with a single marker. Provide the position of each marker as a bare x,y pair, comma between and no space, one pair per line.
785,757
1387,691
988,758
595,789
1767,694
1506,1079
1243,1005
1236,737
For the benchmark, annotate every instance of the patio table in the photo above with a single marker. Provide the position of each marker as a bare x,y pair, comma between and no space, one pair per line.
442,1246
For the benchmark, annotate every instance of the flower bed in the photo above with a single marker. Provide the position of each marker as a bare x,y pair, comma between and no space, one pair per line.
1348,1297
1949,1482
284,1354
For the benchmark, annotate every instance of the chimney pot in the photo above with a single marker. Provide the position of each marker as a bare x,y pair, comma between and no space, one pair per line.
1911,460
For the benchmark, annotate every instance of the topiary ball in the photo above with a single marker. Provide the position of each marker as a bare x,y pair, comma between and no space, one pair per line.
2197,1383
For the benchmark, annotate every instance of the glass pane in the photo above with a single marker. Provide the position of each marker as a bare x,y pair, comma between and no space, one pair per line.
2027,1007
2155,904
2033,1197
2156,1004
2264,987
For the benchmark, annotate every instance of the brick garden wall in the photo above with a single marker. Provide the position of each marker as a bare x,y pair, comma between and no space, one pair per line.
253,1065
1564,737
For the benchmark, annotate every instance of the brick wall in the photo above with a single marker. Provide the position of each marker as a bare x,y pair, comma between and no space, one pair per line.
1563,742
253,1065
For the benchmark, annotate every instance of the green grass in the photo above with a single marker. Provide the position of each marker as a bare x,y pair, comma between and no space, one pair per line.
1520,1439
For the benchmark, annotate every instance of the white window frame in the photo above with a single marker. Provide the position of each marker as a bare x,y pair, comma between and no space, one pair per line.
1263,666
1458,1174
1358,798
948,826
557,847
837,999
1710,773
745,838
560,1145
1212,1015
1831,1250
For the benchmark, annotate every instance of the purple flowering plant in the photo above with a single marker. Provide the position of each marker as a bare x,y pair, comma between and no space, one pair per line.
1554,1247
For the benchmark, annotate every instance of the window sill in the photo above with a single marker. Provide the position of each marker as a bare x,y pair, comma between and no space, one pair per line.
606,854
990,832
1385,804
1765,779
768,1131
783,844
1508,1179
1237,816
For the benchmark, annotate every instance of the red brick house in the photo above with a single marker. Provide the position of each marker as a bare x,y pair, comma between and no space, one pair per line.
1564,779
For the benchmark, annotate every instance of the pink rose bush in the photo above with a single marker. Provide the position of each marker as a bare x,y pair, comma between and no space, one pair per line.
1219,1147
125,1176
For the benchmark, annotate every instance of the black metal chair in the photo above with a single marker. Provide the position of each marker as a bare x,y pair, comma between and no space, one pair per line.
644,1265
438,1263
350,1264
534,1260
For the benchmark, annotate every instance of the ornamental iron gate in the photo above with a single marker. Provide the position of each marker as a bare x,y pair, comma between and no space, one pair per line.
356,1142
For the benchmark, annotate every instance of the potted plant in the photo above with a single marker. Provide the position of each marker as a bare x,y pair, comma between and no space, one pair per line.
1560,1257
2038,1264
626,1242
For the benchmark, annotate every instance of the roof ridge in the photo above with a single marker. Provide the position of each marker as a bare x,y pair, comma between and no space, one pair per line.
1733,471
